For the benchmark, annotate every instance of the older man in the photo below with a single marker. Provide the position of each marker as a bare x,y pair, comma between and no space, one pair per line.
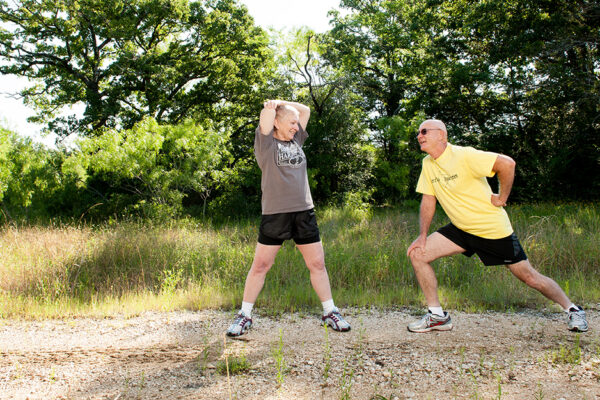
456,177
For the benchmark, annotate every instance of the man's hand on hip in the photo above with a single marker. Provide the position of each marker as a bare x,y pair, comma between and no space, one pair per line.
496,201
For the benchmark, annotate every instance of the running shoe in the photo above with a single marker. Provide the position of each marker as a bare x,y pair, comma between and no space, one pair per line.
240,325
431,322
335,320
576,320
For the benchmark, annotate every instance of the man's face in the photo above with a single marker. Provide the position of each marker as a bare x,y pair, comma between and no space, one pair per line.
287,126
430,136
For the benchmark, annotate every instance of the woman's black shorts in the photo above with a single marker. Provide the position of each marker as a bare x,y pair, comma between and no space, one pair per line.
503,251
300,226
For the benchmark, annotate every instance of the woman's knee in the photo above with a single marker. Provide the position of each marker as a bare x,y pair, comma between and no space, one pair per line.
317,265
261,267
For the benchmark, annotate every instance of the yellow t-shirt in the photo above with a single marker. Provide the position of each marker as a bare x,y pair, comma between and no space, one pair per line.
457,180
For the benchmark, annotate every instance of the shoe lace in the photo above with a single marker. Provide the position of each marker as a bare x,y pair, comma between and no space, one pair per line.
241,320
428,318
577,316
335,316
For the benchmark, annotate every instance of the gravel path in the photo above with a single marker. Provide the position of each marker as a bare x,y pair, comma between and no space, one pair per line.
179,355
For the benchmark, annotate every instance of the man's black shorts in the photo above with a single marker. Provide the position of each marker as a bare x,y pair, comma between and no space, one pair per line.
300,226
503,251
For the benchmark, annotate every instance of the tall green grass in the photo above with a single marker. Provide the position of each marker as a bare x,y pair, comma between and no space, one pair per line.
130,267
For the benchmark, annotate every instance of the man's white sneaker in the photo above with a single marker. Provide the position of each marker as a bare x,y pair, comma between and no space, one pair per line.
576,320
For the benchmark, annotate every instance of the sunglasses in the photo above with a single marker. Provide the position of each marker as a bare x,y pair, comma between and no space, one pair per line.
424,131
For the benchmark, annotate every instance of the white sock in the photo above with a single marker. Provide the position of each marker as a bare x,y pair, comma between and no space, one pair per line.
247,309
572,306
437,311
328,306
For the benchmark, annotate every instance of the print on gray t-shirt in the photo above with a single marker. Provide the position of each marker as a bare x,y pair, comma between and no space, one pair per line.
284,180
290,154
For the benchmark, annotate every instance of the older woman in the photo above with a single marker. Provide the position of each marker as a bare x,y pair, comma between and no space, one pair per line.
287,209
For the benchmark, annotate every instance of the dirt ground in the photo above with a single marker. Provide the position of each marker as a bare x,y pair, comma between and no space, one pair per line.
181,355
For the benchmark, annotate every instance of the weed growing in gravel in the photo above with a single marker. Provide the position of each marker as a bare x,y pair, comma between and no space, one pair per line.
475,394
326,355
356,358
204,354
280,364
142,384
499,379
461,364
359,346
233,365
567,355
127,383
237,365
539,394
346,381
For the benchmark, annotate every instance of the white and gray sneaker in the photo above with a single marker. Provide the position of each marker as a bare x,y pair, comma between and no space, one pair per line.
431,322
240,325
576,320
335,320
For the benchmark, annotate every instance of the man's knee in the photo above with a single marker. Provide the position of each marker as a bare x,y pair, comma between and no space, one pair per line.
418,257
526,273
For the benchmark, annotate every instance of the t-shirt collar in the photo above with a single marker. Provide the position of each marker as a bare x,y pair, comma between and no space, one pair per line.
445,153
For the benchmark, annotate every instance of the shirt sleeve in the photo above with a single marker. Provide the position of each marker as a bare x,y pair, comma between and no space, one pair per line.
479,162
424,185
262,143
301,135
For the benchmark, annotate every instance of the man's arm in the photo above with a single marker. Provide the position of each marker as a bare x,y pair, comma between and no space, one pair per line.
504,167
426,213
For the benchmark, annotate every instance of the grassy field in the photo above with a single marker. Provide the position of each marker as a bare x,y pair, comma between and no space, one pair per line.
130,267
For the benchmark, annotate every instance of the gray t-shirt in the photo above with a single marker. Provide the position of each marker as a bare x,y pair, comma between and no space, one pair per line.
284,181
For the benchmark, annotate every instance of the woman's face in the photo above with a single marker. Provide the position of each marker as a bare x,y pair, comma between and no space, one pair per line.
286,126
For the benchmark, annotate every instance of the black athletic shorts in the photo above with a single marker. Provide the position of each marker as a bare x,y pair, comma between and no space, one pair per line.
503,251
300,226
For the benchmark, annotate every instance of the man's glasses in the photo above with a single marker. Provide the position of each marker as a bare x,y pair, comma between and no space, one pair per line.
424,131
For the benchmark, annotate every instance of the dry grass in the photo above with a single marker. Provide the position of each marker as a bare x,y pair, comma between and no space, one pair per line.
130,267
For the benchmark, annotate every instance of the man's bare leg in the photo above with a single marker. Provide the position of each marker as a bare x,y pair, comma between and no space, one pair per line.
437,246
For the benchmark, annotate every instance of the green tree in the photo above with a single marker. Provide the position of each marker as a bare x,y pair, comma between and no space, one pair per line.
532,91
512,76
396,173
340,160
386,49
150,169
124,60
31,181
5,146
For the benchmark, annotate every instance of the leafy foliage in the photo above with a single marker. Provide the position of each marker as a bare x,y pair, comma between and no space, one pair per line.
5,146
151,168
169,59
517,77
32,182
172,90
339,156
